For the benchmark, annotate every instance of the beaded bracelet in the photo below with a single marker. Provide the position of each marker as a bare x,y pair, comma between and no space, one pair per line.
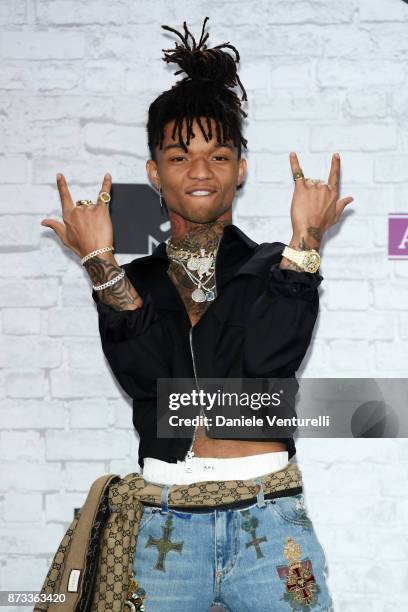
102,250
110,282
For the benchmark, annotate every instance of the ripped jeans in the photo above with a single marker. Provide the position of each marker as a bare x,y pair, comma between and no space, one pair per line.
262,556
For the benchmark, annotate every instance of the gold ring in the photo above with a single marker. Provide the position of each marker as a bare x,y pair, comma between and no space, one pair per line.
316,181
298,175
104,197
84,203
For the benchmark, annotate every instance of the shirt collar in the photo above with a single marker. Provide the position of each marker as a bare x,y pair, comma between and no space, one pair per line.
232,234
234,251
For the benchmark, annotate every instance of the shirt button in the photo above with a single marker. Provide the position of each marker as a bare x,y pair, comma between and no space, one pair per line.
218,573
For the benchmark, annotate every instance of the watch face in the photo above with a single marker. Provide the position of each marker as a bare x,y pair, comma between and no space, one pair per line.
312,262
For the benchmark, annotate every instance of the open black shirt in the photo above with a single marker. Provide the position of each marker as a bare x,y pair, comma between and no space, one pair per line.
259,325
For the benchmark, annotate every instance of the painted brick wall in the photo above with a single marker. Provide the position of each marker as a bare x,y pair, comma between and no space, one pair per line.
75,81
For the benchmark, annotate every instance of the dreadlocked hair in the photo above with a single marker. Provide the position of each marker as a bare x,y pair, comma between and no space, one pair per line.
206,92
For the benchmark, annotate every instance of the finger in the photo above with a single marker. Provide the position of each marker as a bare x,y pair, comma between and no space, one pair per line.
295,167
341,205
65,196
334,175
313,182
106,184
59,228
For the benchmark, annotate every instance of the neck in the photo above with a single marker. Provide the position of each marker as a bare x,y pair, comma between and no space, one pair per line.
194,236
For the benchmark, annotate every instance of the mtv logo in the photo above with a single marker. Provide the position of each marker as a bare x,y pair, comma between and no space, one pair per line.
152,242
398,236
138,223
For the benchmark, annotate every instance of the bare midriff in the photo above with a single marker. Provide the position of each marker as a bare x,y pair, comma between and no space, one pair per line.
209,447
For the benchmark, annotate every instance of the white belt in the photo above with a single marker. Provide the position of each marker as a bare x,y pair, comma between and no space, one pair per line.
196,469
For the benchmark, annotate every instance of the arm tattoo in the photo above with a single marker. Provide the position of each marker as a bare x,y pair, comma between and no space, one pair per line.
121,295
316,234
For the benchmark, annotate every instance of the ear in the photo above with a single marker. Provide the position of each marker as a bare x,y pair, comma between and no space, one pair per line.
242,171
152,172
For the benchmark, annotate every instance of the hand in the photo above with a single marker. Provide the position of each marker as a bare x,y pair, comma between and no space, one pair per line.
85,228
316,207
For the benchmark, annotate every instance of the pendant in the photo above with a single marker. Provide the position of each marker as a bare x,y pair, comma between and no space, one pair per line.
204,267
201,264
210,296
198,295
193,264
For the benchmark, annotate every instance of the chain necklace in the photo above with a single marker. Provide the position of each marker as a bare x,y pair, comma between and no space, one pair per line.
202,262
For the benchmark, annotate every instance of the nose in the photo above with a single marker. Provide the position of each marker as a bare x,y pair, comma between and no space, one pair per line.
199,168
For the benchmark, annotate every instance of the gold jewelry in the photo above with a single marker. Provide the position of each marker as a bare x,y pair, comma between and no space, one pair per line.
297,176
308,260
315,181
135,597
104,197
203,263
84,203
332,186
187,254
300,175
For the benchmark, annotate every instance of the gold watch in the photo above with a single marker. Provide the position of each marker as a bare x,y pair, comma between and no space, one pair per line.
309,261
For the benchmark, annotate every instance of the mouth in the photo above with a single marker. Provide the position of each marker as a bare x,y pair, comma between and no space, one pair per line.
201,193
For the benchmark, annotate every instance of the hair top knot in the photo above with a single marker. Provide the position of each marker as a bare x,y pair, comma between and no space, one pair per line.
213,67
205,96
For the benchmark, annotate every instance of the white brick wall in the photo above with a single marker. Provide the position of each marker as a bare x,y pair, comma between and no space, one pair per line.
75,82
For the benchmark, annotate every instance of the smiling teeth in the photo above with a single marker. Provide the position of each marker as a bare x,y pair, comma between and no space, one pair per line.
200,193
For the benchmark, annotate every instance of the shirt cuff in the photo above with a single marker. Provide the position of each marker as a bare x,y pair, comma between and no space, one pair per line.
119,325
95,296
290,283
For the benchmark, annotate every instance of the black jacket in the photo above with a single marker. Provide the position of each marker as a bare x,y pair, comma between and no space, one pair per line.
259,325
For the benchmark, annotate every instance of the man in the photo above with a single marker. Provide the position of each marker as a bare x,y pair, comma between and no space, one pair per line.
211,303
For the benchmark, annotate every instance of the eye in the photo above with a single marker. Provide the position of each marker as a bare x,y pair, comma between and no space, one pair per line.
222,157
177,158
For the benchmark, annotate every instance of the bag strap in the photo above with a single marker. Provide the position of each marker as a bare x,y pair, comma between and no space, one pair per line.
80,561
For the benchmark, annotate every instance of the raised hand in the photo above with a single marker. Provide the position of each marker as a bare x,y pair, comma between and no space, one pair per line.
316,206
85,228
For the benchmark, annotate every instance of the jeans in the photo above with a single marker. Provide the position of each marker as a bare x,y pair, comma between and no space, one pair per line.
263,556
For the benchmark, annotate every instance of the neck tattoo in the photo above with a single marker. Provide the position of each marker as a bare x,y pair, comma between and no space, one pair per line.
195,253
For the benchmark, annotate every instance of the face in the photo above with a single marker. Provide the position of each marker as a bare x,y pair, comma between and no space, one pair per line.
200,184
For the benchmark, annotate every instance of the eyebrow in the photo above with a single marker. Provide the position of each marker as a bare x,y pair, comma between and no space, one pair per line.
216,146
